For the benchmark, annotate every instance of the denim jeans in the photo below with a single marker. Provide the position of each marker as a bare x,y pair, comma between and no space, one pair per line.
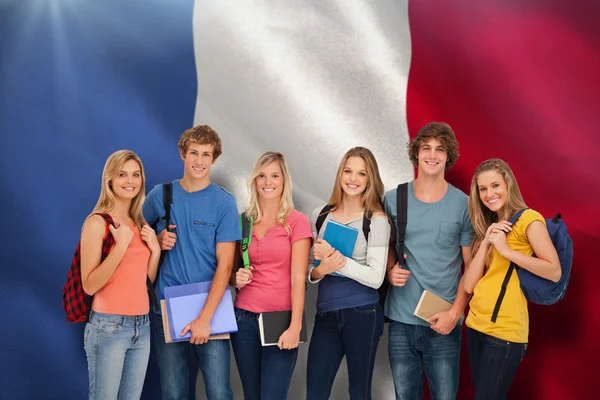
117,349
266,372
493,363
418,349
353,332
175,360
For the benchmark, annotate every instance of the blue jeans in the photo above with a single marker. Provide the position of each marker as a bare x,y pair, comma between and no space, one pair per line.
353,332
174,363
493,363
414,349
117,349
266,372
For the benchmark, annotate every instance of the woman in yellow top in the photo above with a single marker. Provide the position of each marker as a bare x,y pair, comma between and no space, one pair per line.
497,348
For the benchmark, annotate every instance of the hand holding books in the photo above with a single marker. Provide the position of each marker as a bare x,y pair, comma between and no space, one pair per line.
443,322
289,339
437,311
332,263
322,249
199,330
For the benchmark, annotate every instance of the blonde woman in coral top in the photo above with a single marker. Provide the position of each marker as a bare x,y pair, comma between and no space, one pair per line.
117,335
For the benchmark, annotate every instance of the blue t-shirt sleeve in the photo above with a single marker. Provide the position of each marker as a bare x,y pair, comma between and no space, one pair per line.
151,206
228,229
467,233
387,207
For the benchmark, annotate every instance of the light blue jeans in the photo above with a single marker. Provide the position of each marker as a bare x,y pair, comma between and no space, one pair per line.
117,349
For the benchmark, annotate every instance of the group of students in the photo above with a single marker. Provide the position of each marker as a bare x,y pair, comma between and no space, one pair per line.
445,228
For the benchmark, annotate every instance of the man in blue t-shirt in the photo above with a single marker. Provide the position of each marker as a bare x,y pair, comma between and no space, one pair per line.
200,244
438,239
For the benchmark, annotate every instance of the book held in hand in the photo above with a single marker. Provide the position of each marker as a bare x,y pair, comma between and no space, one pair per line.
167,327
184,303
341,237
273,324
430,304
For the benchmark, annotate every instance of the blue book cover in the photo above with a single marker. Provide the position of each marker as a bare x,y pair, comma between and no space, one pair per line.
184,303
341,237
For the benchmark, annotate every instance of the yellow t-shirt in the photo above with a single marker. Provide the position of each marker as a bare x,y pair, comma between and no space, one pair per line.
512,323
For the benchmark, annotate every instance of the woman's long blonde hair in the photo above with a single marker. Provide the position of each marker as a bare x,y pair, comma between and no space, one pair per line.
106,201
481,216
286,205
372,197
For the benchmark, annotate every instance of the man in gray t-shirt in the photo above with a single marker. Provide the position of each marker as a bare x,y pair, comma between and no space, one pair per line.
438,238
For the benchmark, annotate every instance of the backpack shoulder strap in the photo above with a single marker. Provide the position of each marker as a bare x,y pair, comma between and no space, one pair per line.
516,217
322,215
366,224
107,236
246,225
167,201
401,218
511,268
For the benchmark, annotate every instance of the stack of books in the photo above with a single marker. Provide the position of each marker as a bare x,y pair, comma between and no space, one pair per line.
182,305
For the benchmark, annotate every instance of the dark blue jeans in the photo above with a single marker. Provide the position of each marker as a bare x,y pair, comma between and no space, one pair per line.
266,372
174,363
414,349
353,332
493,363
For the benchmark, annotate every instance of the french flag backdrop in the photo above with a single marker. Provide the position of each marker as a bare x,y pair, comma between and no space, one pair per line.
80,79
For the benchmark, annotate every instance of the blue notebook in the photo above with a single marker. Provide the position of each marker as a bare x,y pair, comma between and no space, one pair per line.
184,303
341,237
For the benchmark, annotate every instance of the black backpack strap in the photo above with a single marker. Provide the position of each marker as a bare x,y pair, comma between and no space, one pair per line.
401,219
366,224
502,291
511,268
167,201
246,224
321,219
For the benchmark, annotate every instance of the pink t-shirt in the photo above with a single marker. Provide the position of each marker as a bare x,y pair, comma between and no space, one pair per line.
271,257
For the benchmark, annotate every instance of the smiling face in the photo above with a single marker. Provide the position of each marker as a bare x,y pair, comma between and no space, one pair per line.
197,161
354,177
270,181
493,190
432,158
128,182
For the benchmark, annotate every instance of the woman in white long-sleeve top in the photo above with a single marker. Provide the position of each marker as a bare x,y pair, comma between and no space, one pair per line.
349,319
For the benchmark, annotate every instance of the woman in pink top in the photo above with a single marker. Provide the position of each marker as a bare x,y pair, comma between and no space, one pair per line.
117,336
275,281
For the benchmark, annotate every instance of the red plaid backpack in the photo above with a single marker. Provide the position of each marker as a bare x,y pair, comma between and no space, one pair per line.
76,302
